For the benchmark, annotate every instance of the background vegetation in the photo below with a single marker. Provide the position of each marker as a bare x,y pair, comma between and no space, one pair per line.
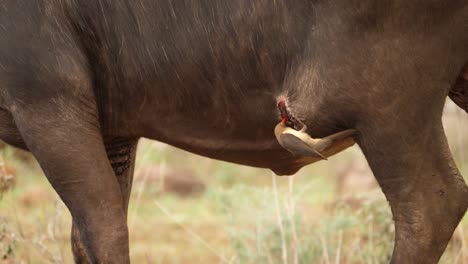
190,209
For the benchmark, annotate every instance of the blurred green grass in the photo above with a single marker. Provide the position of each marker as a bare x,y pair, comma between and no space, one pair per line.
326,213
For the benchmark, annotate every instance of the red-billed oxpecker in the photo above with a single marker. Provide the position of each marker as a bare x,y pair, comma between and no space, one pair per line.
299,143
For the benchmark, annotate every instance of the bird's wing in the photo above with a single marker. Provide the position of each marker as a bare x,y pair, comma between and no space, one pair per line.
329,141
298,147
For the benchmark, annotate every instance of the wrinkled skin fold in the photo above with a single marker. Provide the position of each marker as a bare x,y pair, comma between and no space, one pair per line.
82,81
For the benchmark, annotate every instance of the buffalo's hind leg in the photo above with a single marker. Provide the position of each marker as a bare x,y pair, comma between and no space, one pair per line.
121,153
8,131
426,192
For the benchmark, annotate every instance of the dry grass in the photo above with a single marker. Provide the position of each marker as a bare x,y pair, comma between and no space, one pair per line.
242,215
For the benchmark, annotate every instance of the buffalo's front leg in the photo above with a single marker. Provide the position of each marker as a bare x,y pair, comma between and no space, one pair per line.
121,153
426,192
66,140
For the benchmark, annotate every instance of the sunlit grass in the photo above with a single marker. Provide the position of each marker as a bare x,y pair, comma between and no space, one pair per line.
239,218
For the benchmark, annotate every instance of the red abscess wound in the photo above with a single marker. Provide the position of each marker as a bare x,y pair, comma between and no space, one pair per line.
283,110
286,117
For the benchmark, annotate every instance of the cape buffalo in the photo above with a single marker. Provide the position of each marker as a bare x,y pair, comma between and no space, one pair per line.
81,81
